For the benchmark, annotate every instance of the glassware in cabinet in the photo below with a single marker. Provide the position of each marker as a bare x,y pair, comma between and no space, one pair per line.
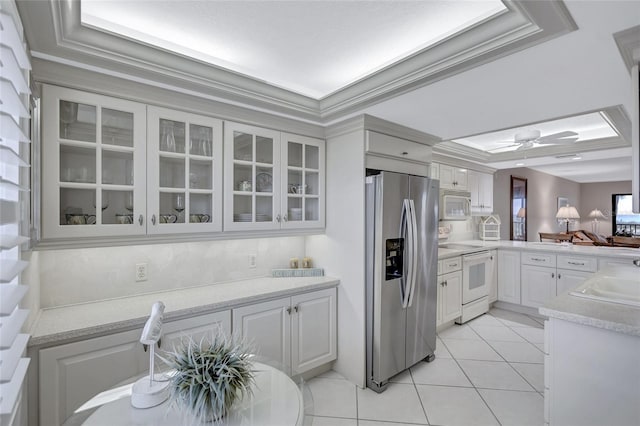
184,172
92,144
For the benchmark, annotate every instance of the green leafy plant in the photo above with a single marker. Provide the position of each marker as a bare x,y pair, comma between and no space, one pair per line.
209,376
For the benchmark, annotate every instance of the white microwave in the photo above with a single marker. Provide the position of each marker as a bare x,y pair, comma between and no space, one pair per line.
455,205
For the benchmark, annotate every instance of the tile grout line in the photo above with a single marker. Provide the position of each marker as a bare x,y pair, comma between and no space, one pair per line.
470,381
424,410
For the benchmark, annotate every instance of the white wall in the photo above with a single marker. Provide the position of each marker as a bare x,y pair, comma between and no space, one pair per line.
342,249
90,274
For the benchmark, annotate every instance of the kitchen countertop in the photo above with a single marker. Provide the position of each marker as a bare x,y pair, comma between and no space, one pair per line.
595,313
60,324
557,248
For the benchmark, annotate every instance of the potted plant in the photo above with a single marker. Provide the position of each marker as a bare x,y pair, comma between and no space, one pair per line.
209,376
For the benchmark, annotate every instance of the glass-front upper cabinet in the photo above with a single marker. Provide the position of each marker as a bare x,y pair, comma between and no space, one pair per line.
303,171
93,158
184,172
252,177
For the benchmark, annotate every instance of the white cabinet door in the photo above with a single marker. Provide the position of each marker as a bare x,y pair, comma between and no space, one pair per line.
184,172
481,187
93,180
493,276
313,330
538,285
434,171
267,326
509,276
303,181
71,374
251,178
452,300
453,177
568,280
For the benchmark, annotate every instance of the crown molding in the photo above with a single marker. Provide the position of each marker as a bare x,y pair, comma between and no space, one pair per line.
628,42
369,122
54,31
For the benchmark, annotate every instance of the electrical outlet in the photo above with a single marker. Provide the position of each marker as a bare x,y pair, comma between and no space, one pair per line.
141,272
252,261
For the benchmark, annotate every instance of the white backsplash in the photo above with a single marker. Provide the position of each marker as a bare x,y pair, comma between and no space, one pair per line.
89,274
461,230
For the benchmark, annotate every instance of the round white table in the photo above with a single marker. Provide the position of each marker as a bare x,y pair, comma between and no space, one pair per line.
276,401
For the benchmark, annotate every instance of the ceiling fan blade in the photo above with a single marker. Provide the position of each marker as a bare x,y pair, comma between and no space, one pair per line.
559,135
503,147
563,141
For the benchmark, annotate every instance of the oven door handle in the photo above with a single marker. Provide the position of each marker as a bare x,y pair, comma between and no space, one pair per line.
476,257
414,251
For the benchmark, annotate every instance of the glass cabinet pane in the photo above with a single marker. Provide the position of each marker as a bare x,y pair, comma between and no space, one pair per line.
201,140
200,174
117,207
77,206
312,184
264,179
242,177
264,150
117,127
242,146
312,209
77,164
311,157
172,207
200,208
172,136
172,172
117,167
264,208
77,121
294,154
242,208
294,209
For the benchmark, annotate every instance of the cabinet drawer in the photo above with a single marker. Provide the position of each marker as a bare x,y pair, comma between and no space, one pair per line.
538,259
577,263
450,265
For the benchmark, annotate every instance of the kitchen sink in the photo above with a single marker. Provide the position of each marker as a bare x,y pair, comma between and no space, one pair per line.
620,285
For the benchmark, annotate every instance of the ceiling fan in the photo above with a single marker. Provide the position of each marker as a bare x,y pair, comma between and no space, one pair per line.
529,138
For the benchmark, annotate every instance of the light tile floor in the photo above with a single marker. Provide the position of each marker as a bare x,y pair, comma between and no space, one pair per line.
486,372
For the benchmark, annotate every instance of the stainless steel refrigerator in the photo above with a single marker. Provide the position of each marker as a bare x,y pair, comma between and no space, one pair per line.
402,256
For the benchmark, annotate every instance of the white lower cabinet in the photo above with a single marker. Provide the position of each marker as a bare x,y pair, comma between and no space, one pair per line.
71,374
538,285
449,305
296,333
568,280
509,276
493,277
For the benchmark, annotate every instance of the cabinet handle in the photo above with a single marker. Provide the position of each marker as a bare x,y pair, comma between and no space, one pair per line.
559,276
153,219
278,217
289,310
537,259
284,217
576,263
442,284
553,275
295,308
491,258
445,282
140,220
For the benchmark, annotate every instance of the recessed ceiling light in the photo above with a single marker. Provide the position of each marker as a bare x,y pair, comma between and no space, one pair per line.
577,157
519,164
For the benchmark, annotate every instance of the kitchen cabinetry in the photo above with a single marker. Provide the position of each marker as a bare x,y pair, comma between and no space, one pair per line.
449,304
481,187
453,177
119,168
298,333
273,180
493,276
184,172
93,181
70,374
544,275
509,276
434,171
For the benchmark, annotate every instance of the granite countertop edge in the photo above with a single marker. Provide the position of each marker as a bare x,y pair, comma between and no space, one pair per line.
48,337
593,313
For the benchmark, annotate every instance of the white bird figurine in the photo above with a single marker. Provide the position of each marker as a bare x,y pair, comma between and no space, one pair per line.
152,331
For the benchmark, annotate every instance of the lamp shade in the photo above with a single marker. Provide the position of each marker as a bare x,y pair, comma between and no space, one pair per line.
522,212
567,212
596,214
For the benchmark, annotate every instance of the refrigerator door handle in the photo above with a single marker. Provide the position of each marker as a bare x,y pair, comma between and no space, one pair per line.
405,230
413,260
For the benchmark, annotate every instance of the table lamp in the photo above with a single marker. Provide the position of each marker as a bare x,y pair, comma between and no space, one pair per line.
567,214
595,215
153,389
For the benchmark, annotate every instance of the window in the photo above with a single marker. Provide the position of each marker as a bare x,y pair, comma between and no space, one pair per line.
624,222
